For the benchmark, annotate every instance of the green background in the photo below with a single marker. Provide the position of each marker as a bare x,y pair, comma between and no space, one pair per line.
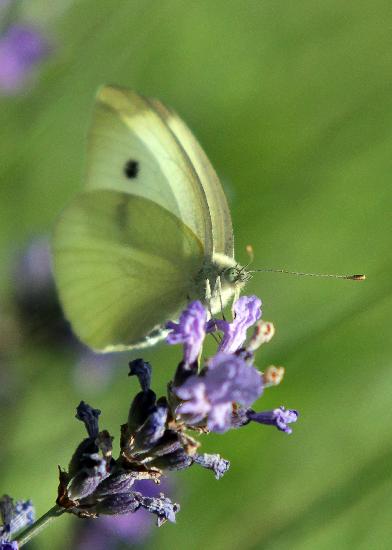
292,102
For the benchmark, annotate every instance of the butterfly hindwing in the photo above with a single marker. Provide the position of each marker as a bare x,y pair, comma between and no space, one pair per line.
123,266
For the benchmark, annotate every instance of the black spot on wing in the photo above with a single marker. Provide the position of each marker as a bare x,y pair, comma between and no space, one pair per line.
131,169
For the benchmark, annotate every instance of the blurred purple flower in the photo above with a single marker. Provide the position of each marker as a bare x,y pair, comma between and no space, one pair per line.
190,331
93,371
22,47
33,273
35,298
107,531
228,379
247,311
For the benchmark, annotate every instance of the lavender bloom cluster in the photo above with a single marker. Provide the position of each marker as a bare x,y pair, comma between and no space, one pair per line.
217,397
15,516
214,396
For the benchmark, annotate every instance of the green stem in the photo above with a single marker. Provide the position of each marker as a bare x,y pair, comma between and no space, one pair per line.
39,525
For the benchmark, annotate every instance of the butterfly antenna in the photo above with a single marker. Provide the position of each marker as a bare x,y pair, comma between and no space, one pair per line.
301,274
249,251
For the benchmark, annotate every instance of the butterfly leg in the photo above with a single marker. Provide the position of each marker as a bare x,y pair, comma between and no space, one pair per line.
237,293
219,291
208,302
209,297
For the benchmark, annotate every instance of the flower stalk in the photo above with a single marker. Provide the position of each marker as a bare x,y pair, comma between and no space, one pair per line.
39,525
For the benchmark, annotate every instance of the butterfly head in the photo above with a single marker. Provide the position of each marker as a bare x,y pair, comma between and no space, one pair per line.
235,275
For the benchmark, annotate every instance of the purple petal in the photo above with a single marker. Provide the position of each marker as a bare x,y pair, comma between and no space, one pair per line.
196,405
228,379
279,417
219,418
190,331
247,311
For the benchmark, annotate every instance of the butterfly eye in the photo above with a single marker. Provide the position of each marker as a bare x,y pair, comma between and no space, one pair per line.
231,274
131,169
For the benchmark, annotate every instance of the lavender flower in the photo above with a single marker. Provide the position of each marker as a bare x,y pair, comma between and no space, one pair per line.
14,517
87,468
279,417
155,438
22,47
228,379
247,311
213,462
97,484
190,331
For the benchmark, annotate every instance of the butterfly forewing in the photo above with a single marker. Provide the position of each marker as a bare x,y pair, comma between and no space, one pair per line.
222,230
131,149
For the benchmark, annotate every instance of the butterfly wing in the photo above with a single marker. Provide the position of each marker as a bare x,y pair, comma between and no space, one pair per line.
222,229
131,149
123,266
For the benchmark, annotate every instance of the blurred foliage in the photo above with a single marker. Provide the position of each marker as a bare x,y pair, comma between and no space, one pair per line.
292,103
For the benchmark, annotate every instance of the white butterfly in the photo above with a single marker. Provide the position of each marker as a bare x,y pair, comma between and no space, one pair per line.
151,231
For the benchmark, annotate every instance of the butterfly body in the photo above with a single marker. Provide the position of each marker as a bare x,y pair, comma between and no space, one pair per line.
150,231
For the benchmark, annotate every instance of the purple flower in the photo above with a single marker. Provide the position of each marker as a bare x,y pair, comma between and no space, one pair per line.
228,379
279,417
190,331
22,47
14,517
247,311
11,545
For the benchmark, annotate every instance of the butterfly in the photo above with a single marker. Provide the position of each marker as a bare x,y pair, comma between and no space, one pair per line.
150,231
